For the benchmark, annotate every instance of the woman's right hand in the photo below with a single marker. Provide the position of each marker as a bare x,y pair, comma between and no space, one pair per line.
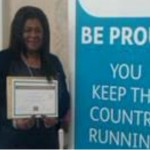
23,124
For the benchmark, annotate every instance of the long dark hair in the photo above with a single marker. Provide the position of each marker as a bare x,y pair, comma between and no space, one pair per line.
16,37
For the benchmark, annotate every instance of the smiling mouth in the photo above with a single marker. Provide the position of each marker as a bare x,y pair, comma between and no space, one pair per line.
33,42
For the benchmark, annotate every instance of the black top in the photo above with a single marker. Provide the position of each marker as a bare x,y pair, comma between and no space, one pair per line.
20,68
36,137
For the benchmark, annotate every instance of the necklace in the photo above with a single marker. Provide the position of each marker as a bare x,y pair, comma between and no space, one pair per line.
30,71
28,66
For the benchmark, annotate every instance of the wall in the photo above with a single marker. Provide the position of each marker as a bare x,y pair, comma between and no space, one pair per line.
1,25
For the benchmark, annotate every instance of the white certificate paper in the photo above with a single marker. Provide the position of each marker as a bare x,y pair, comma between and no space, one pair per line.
27,97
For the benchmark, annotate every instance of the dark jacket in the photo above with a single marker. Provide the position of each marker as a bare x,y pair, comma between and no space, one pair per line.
12,138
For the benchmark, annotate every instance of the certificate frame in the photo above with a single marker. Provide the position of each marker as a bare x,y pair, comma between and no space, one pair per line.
43,91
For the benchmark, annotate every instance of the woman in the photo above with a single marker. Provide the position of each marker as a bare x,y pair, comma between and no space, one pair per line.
28,55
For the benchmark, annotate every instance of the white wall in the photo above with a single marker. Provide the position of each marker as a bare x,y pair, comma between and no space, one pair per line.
1,24
71,13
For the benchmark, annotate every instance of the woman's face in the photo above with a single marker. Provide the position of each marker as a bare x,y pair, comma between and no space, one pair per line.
33,35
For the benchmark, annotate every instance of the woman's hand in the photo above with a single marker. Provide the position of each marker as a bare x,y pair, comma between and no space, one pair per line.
49,122
23,124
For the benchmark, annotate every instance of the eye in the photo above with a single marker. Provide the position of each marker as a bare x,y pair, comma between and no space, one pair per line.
27,30
38,30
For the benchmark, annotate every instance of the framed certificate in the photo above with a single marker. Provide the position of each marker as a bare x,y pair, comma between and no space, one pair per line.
31,96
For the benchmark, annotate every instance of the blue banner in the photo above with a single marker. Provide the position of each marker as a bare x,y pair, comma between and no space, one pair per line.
112,94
